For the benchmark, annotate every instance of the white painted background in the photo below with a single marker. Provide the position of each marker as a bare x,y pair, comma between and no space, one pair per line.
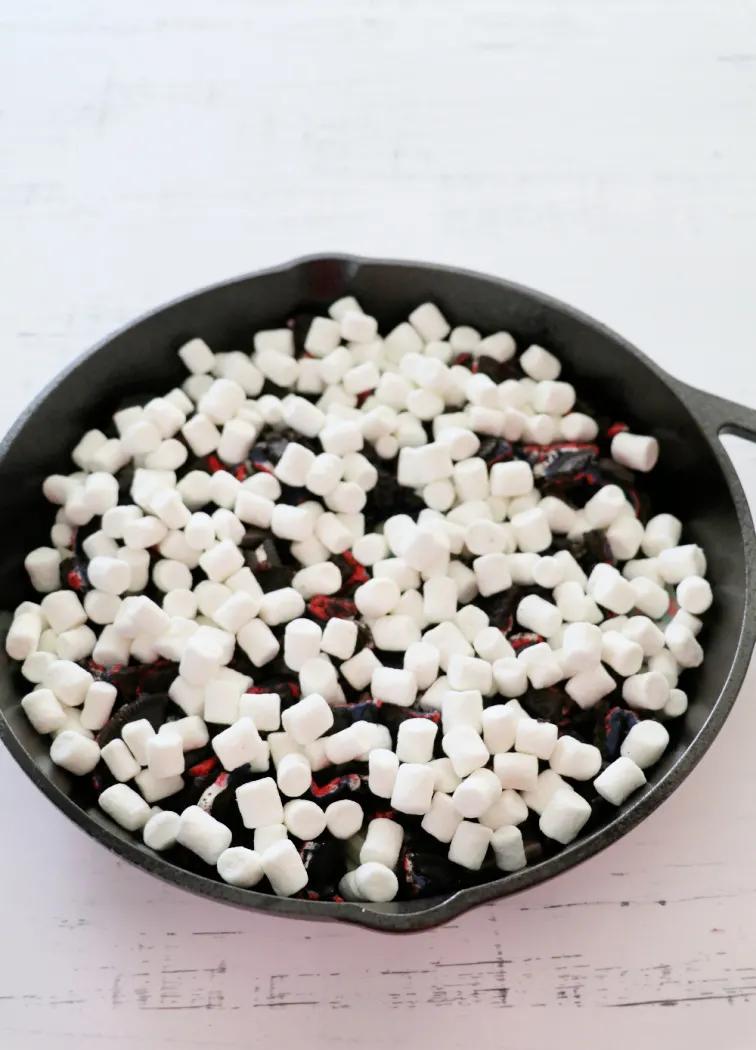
600,150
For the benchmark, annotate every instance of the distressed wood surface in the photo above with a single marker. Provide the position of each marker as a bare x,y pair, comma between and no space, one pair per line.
601,150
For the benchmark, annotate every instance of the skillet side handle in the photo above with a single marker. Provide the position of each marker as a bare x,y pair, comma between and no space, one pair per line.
717,415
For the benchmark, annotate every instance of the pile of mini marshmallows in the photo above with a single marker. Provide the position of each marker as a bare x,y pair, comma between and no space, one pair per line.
481,532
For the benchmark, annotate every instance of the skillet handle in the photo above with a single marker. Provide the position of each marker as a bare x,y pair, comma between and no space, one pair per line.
717,415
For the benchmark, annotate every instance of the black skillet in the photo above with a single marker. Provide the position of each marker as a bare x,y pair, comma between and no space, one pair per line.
694,480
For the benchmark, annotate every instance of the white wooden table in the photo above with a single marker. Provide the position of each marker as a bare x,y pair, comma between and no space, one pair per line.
601,150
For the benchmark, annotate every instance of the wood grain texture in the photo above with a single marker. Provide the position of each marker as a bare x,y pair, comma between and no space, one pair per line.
601,150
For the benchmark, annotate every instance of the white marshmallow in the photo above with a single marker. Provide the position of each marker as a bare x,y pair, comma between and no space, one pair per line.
588,687
645,743
382,769
442,819
44,711
124,806
259,803
394,686
516,770
415,739
465,748
571,758
510,676
238,744
304,820
538,615
74,752
308,719
160,831
469,845
564,816
635,451
413,788
535,738
693,595
339,638
662,532
619,780
682,643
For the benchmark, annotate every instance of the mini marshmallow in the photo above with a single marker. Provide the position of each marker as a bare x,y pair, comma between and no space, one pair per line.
68,682
197,356
576,760
259,803
609,589
266,836
394,686
239,866
676,705
516,770
531,529
465,748
619,780
541,665
344,818
43,567
308,719
588,687
510,676
24,635
508,848
120,761
538,615
319,676
565,816
466,672
676,563
44,711
635,451
477,793
203,834
621,653
693,595
492,574
647,635
581,647
649,598
682,643
462,708
413,788
74,752
160,831
339,638
511,479
509,808
293,775
238,744
469,845
415,740
662,533
665,663
284,868
442,819
535,738
63,611
605,506
645,743
125,807
302,640
304,820
165,755
422,660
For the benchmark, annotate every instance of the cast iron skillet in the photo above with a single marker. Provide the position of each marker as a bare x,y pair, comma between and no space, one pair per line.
695,480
